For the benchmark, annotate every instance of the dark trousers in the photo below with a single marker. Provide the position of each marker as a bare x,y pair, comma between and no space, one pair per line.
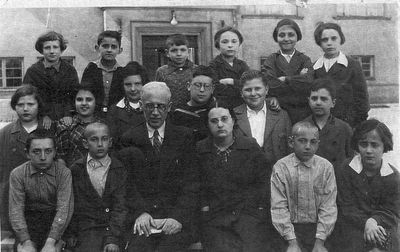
39,225
160,242
233,232
91,240
305,235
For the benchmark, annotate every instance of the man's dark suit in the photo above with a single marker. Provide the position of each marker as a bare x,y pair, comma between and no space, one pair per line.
167,183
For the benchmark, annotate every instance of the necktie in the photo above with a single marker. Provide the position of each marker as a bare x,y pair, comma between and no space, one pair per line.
156,142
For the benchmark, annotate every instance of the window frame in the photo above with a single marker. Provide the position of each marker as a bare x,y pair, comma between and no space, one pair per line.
371,62
4,77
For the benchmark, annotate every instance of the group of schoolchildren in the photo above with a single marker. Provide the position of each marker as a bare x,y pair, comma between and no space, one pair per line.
281,159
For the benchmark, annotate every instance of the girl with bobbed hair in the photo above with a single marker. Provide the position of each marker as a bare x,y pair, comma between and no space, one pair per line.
289,73
368,193
227,66
127,113
352,103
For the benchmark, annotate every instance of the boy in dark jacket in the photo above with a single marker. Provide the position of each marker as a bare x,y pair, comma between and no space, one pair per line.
105,73
99,190
193,114
54,78
334,134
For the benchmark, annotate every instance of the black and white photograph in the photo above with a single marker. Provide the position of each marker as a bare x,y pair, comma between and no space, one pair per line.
214,126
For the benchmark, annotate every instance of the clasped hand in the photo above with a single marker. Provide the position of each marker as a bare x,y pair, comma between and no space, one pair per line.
145,222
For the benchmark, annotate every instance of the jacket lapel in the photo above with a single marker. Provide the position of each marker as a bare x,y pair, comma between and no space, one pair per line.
270,121
242,120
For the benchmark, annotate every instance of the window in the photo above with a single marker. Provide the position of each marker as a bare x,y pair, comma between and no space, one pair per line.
270,11
367,63
262,59
69,59
362,11
11,72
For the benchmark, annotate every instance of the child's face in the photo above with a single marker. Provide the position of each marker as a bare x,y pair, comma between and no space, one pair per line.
27,108
253,93
220,122
330,43
108,49
178,54
85,103
98,142
41,153
51,51
304,143
321,102
287,38
132,86
201,89
229,44
371,149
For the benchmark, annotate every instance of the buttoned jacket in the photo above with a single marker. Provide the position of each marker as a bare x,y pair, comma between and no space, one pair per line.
167,183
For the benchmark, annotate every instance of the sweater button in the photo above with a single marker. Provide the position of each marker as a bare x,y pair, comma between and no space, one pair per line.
107,210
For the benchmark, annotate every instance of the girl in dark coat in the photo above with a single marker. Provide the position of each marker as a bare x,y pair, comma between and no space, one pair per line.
369,193
352,103
289,72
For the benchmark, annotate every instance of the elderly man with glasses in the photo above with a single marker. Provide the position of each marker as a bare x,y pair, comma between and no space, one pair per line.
159,158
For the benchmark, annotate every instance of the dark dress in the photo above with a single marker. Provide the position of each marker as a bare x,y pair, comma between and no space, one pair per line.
120,119
228,95
56,88
236,191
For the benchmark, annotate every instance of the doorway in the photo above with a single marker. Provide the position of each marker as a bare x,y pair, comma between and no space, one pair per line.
154,52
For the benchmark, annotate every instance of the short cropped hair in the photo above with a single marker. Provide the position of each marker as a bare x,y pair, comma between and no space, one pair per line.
290,23
109,34
206,71
50,36
39,134
251,75
24,90
88,128
370,125
177,40
324,83
155,86
134,68
217,35
325,26
301,125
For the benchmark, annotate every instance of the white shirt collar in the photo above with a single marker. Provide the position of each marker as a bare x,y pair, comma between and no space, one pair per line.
161,130
121,104
290,55
341,59
251,112
357,166
103,161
